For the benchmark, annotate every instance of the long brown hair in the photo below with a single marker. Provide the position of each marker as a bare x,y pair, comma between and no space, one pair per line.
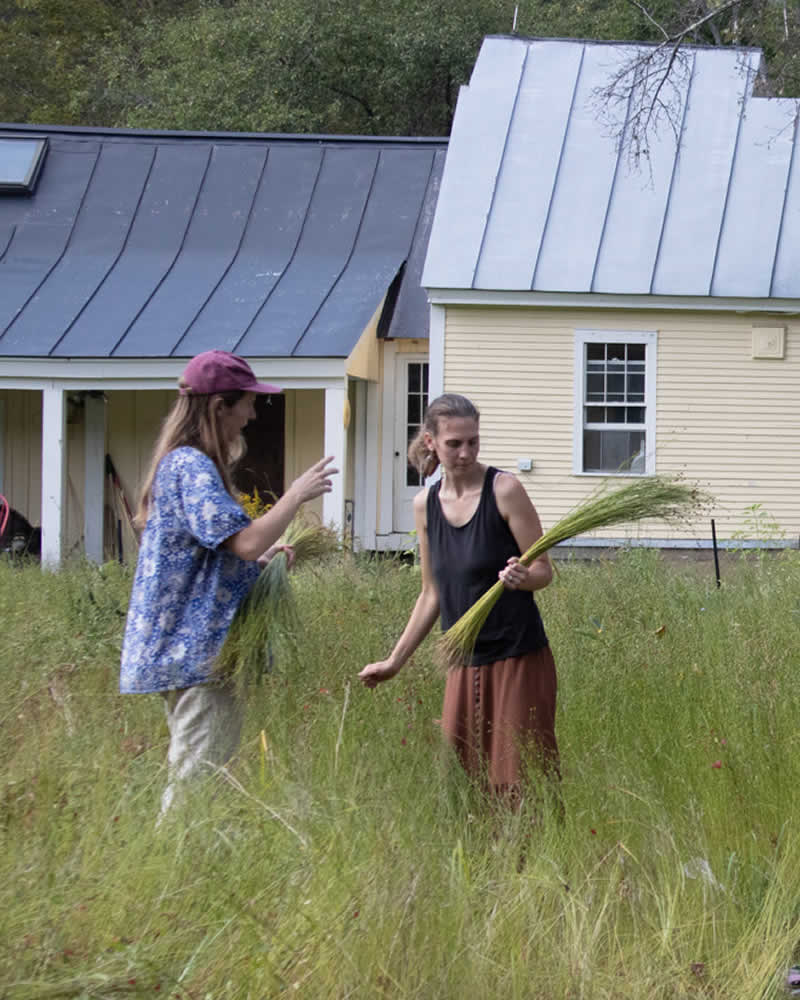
448,405
193,421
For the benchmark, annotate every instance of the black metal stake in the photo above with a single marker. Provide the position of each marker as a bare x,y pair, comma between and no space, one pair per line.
716,553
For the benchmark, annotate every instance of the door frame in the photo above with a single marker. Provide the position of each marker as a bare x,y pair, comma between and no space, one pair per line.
403,495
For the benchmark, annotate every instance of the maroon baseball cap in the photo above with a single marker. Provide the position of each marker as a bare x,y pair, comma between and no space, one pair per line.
220,371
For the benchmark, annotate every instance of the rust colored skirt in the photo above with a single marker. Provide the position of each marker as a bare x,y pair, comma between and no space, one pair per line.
498,715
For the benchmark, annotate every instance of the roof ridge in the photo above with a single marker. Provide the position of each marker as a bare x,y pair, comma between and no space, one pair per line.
96,131
622,42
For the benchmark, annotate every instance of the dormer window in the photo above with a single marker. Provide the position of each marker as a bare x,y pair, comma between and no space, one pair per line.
21,159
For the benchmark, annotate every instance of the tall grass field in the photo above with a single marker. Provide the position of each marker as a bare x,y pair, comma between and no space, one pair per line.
344,854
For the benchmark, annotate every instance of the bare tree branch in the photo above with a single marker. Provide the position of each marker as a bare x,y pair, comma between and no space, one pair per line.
691,28
650,18
648,92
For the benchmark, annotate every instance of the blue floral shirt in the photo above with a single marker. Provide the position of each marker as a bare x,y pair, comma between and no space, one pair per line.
186,589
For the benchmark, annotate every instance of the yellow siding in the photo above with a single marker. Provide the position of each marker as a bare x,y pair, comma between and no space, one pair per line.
305,435
133,422
363,360
22,474
412,346
722,417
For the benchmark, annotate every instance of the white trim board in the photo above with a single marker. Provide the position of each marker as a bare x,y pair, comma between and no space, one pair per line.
593,300
395,541
157,373
386,445
436,336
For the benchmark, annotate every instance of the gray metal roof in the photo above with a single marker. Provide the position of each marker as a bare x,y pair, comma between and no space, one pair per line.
536,196
140,244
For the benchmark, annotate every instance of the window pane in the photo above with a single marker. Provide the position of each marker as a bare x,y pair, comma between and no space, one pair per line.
595,414
413,477
616,352
595,352
20,162
636,352
616,414
613,451
616,388
594,388
636,388
635,415
416,403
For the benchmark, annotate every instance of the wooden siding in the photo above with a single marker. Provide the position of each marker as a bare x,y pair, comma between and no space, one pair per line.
133,421
723,418
22,435
22,462
305,435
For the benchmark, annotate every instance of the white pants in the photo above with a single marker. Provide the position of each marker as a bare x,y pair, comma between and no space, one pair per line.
205,723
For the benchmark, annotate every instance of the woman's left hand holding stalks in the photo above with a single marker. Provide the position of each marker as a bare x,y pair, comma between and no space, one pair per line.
273,550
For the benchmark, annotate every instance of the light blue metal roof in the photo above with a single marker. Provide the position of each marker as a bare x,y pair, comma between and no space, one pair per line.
143,244
537,195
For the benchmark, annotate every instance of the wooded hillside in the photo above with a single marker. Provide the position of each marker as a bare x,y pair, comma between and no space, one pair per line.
334,66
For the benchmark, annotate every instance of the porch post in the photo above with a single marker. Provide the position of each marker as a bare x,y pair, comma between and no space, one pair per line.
54,466
94,475
2,441
336,445
360,490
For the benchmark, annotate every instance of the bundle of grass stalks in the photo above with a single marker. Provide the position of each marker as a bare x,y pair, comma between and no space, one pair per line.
265,625
666,498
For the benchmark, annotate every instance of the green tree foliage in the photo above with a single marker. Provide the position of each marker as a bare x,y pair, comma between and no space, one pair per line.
352,66
347,66
45,50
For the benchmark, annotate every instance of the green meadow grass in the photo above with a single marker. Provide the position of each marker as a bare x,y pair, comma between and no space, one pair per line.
342,854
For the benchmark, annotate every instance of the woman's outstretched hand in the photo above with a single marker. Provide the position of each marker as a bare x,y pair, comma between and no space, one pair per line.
375,673
314,481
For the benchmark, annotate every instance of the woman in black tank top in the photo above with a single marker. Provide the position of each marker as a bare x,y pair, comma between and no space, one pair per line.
472,526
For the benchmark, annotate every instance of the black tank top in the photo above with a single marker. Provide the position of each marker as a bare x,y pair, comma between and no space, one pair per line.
465,563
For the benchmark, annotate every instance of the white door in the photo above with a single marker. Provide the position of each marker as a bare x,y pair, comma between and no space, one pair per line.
412,398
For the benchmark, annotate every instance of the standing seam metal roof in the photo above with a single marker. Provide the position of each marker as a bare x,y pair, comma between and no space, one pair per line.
537,196
140,244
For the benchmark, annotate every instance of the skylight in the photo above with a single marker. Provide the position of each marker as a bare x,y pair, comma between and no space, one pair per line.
21,159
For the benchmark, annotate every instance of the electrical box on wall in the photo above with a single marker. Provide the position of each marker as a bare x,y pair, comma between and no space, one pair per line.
768,341
524,464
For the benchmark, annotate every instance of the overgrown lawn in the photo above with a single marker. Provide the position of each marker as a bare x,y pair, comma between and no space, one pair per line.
342,854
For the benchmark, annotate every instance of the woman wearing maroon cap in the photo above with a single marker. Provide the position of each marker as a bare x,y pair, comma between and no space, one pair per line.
200,554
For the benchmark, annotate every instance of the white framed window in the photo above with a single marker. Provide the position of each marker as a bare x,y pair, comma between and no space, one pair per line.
416,405
615,403
21,159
